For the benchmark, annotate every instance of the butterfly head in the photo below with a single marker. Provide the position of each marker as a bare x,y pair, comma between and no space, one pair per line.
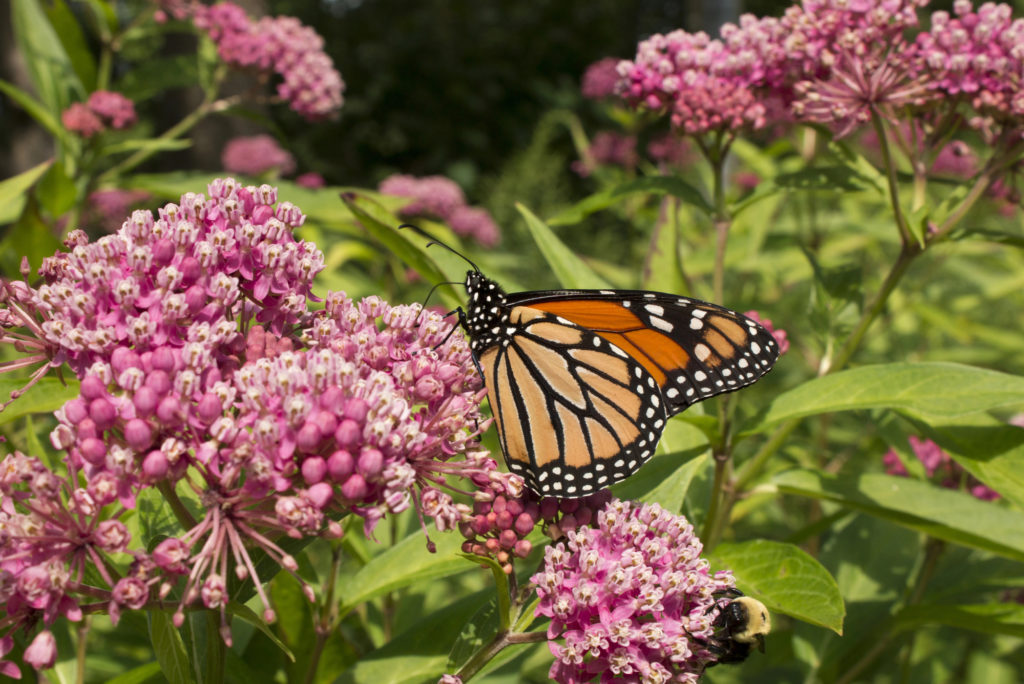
486,309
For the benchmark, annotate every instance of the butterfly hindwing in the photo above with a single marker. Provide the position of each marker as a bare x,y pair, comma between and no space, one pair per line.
574,413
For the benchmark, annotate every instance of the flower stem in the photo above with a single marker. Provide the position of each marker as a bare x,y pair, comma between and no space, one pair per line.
185,518
890,170
494,647
207,106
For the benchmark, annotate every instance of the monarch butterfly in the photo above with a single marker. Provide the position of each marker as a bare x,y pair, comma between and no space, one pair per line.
581,382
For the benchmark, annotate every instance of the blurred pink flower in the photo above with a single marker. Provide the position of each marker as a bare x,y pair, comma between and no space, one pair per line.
671,149
78,118
600,78
311,179
257,154
115,108
778,333
608,148
435,196
109,207
938,466
476,223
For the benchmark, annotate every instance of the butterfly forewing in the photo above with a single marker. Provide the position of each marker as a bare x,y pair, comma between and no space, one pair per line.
693,349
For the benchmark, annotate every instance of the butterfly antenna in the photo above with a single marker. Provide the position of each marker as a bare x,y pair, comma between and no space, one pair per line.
423,307
434,241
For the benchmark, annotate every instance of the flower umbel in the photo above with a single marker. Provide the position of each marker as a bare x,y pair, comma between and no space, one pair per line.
629,598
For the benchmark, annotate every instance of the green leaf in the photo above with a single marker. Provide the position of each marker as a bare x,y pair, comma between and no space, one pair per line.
169,648
664,479
786,579
46,396
155,144
156,519
246,614
73,40
480,629
48,64
406,245
663,268
858,164
36,110
570,270
405,563
56,192
988,235
652,185
938,389
420,653
14,189
150,672
838,178
986,618
949,515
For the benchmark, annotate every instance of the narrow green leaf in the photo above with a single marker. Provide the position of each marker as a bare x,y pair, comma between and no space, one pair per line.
838,178
169,648
570,270
986,618
663,268
14,189
420,653
48,395
480,629
949,515
156,144
988,235
405,563
30,237
245,613
406,245
859,165
651,185
73,40
938,389
34,109
150,672
664,479
48,64
786,579
56,192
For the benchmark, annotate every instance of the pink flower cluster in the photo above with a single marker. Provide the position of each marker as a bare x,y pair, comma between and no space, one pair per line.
747,77
104,109
630,598
442,198
976,55
256,154
938,466
283,45
204,370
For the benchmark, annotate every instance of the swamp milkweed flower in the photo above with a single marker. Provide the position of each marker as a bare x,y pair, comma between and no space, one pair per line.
630,597
202,369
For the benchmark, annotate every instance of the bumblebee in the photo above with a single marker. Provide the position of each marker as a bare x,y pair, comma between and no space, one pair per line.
739,625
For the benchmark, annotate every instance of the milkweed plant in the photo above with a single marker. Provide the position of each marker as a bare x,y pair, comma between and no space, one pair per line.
237,448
